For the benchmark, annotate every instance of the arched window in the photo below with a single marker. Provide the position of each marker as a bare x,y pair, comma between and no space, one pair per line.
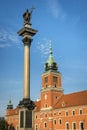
45,124
67,126
60,121
81,125
74,126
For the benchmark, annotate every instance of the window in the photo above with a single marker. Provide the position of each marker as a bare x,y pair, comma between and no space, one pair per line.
55,85
46,85
45,115
54,113
46,79
55,79
73,112
80,112
66,113
63,104
60,121
45,105
36,116
45,124
59,113
67,126
36,127
81,126
54,121
74,126
56,97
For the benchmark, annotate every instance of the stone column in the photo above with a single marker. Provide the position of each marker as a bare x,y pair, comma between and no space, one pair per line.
26,105
27,44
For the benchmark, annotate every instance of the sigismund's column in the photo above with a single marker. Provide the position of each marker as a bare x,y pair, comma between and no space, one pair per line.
26,105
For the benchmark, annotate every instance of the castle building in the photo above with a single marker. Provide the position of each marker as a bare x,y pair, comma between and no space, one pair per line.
55,110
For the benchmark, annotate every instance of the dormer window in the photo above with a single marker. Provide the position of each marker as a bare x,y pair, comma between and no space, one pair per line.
54,64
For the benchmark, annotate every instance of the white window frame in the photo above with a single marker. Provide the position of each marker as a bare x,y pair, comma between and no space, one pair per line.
66,126
73,125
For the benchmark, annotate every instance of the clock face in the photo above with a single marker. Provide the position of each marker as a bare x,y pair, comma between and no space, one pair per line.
45,96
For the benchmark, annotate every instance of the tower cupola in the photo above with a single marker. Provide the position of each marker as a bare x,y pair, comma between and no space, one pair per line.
51,64
10,105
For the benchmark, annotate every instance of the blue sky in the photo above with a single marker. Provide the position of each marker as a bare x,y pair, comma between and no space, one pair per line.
62,21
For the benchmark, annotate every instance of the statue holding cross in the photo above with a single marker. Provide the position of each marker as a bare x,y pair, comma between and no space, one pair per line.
27,15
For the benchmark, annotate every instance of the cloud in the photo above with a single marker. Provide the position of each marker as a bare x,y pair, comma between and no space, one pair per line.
8,38
56,9
43,47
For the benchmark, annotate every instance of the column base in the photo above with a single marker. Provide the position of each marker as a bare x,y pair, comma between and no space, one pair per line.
26,107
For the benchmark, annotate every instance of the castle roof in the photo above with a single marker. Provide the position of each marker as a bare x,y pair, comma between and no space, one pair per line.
68,100
73,99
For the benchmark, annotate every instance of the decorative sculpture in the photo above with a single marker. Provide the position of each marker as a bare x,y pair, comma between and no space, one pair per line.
27,16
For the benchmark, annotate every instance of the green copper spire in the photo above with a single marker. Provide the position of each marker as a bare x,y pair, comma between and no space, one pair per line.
51,63
10,105
50,48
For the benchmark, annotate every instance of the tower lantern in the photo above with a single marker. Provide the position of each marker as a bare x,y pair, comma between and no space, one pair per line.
51,64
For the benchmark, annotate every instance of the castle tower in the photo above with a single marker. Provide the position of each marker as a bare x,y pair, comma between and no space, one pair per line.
26,105
51,83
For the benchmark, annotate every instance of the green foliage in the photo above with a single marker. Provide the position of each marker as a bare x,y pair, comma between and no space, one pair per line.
3,125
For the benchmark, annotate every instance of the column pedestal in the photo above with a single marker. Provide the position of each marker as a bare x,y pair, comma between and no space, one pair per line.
26,119
26,107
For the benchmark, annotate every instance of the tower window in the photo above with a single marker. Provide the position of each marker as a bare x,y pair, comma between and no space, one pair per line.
45,115
55,85
46,79
46,85
54,65
55,79
45,105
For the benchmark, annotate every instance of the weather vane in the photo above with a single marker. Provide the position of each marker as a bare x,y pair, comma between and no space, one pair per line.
27,15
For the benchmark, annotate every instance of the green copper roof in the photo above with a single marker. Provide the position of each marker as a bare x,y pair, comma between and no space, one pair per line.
50,60
50,63
10,105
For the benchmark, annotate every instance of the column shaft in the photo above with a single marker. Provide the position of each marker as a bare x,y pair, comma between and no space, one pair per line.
26,70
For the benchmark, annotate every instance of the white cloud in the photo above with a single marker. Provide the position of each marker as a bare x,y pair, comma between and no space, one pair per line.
43,47
7,38
56,9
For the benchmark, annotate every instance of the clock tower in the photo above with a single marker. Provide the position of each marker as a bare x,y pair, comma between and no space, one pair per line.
51,83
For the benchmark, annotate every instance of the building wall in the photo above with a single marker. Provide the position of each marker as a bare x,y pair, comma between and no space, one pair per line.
58,118
12,117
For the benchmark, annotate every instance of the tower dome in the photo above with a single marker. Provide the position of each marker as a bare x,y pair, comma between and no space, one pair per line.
10,105
51,64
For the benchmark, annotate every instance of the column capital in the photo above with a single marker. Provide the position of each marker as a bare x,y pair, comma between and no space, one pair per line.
27,40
